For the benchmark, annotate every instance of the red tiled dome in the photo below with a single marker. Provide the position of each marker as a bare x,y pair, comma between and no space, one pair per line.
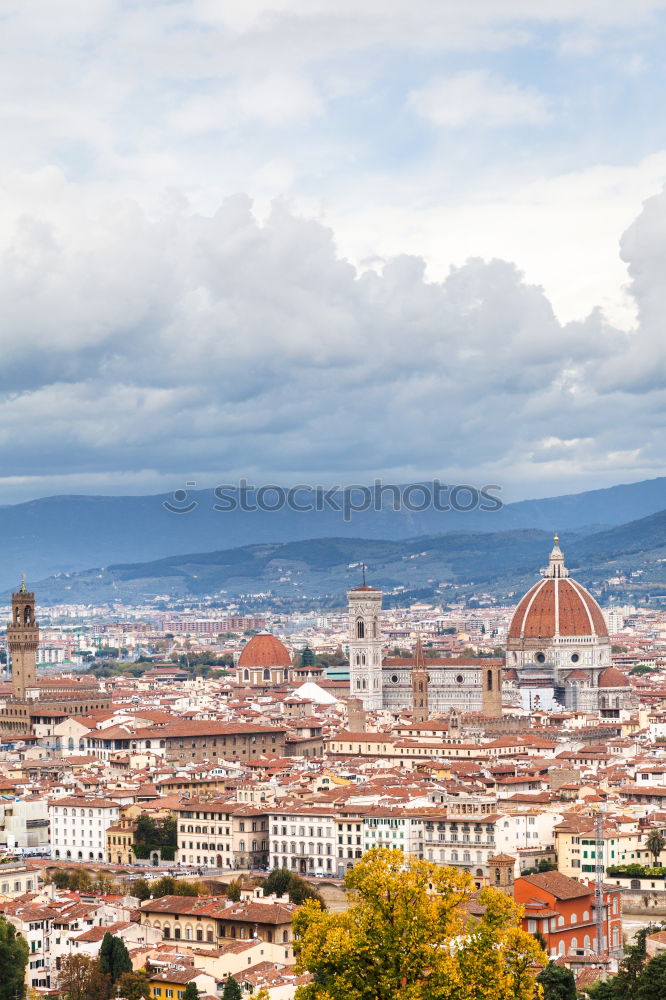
611,677
557,606
264,650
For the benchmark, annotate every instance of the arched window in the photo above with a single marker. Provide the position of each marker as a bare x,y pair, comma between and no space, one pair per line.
560,921
285,936
573,918
267,675
360,628
176,933
490,680
246,675
166,933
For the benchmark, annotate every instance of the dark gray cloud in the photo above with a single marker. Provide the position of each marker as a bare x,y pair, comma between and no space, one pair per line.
178,345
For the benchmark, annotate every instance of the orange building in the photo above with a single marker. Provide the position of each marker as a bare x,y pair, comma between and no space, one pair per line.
562,910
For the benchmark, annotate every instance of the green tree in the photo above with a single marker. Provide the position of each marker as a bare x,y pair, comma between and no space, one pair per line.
99,983
404,935
77,975
13,960
232,990
113,957
60,879
281,881
165,886
168,886
103,883
625,983
557,983
602,990
655,844
134,986
80,881
277,882
234,891
192,991
652,979
140,889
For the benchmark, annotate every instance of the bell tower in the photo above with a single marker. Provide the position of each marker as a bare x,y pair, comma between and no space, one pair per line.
23,640
365,646
419,685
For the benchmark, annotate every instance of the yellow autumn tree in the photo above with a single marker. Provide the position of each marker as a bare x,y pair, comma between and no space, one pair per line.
407,936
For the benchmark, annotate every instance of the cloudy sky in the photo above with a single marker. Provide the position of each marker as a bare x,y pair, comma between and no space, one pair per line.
324,240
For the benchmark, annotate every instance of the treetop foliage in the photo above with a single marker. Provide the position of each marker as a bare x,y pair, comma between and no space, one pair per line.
407,935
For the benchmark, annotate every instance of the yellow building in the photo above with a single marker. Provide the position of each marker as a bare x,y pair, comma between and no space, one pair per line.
120,842
576,848
171,984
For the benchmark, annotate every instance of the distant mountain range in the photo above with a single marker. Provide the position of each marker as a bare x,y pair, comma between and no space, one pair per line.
503,563
69,534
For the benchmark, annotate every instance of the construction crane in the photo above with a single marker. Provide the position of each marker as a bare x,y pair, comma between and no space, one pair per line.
599,882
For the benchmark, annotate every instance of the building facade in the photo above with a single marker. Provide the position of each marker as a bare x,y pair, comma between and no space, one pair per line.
302,838
79,826
427,685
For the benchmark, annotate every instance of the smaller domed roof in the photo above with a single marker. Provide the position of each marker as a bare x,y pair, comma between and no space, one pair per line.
264,650
611,677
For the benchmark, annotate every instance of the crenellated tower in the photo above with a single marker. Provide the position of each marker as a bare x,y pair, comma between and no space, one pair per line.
23,641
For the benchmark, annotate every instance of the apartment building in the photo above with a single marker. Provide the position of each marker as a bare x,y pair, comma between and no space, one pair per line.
562,910
302,838
196,740
79,826
576,845
221,834
213,921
